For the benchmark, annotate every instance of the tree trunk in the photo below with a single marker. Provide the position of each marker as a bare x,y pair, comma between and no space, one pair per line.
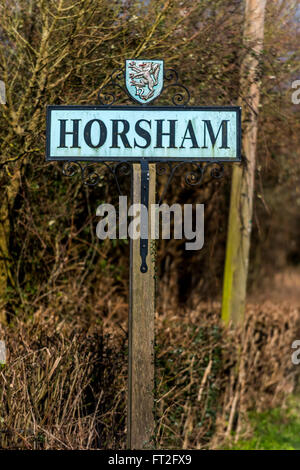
241,201
140,419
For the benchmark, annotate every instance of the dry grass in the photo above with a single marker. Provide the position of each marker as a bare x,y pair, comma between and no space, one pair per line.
64,384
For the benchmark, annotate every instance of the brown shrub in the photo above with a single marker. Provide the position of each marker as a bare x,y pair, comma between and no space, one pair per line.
64,384
209,379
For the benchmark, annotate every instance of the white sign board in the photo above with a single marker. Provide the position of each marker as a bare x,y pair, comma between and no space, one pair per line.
130,133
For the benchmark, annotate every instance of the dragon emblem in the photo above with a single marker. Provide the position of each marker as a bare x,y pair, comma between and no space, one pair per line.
144,79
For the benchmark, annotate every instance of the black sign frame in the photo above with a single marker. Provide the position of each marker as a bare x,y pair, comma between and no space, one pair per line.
179,159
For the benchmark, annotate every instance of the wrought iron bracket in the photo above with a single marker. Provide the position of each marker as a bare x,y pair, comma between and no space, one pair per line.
90,176
193,177
144,215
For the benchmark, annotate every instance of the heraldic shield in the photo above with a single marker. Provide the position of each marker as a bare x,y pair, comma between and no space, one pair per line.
144,79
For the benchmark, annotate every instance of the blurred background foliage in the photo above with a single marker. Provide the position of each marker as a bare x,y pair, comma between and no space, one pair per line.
63,52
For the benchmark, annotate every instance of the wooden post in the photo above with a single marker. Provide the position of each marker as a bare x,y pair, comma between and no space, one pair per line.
140,420
241,201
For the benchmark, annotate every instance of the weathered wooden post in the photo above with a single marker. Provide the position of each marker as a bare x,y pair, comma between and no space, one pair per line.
140,419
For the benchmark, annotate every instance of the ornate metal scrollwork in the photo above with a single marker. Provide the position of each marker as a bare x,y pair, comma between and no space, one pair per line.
181,97
107,94
193,177
90,175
